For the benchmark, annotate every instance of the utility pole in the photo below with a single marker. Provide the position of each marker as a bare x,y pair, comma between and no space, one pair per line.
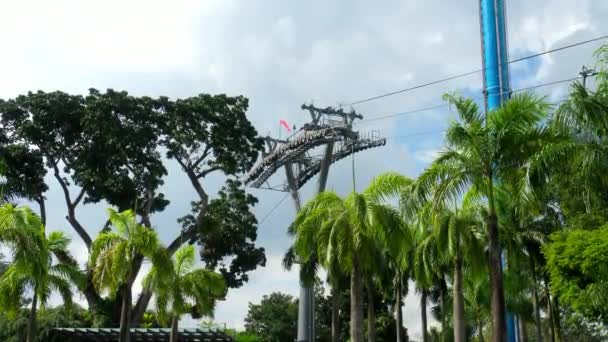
585,73
331,130
497,86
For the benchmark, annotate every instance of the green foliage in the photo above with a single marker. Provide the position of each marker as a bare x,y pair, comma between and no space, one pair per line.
577,261
480,148
243,336
277,303
3,264
247,337
580,328
231,228
23,172
12,329
33,267
114,253
181,288
274,319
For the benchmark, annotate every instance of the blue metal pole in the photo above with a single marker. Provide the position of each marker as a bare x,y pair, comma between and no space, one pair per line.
496,77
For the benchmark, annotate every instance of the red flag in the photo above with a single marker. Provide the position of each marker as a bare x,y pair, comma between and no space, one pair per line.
285,124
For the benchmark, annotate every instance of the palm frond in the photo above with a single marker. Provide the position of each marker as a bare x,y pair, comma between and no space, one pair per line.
467,109
387,185
184,259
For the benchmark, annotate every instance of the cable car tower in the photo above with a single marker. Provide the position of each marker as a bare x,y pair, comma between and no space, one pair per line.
330,131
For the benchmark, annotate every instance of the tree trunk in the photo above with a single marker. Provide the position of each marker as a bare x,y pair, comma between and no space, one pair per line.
550,314
443,309
139,309
184,237
499,326
535,304
335,314
458,304
125,313
356,303
371,314
174,337
556,319
481,337
398,312
523,334
31,323
89,291
42,207
425,335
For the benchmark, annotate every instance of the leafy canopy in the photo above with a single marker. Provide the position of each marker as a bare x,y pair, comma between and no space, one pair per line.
274,319
577,261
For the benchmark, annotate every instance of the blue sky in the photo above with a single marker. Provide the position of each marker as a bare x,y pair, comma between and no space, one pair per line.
281,54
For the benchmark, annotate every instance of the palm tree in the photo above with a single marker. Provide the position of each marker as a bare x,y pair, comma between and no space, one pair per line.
425,272
329,225
526,223
184,288
395,232
583,149
579,157
430,269
33,265
477,299
459,237
308,273
481,149
113,256
429,266
348,230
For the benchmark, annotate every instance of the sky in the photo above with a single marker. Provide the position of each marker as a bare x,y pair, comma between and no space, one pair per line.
281,54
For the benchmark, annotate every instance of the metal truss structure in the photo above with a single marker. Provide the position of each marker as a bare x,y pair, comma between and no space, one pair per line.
297,150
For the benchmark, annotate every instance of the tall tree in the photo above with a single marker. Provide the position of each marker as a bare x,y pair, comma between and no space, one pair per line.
395,232
477,299
352,233
114,255
340,226
184,289
108,146
576,260
459,236
429,269
481,149
33,266
274,319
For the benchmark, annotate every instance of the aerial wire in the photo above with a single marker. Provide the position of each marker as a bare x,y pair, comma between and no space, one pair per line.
444,105
276,206
423,85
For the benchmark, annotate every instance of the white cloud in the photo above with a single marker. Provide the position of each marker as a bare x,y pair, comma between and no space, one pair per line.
427,156
432,38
